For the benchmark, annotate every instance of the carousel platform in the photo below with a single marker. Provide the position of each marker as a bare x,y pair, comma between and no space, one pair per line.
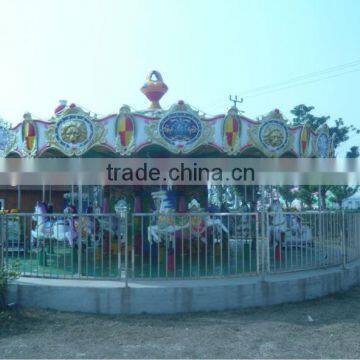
166,297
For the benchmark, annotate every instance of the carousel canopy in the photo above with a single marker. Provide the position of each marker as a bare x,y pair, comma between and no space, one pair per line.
179,130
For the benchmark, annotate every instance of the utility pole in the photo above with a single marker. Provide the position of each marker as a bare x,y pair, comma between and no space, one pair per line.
235,100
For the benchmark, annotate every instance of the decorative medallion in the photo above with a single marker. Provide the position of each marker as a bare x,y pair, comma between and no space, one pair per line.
323,142
7,138
305,140
29,136
323,145
180,130
271,135
231,131
124,132
75,132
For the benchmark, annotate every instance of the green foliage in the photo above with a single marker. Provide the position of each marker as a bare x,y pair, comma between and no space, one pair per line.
341,192
7,273
289,194
306,194
353,153
303,114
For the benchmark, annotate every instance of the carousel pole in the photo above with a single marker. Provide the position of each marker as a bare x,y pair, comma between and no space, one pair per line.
80,198
79,231
43,192
19,198
72,194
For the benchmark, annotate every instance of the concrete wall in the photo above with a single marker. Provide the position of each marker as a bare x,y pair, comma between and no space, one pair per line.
157,297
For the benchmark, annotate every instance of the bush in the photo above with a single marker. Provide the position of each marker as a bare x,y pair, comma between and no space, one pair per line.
7,273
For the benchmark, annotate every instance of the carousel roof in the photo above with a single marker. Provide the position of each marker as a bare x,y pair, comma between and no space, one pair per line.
179,130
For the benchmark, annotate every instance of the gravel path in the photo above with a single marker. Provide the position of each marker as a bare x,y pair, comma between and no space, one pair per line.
329,328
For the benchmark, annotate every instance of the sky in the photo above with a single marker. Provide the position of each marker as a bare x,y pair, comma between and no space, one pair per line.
98,54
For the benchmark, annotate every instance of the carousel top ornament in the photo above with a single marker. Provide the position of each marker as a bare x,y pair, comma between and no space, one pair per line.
180,129
272,135
154,89
74,132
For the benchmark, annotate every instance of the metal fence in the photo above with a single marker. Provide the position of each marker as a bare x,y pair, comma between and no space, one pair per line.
177,245
194,245
305,240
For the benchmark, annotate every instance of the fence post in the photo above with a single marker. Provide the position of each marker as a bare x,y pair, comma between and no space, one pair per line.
258,248
126,248
321,240
264,244
343,240
79,242
267,242
1,243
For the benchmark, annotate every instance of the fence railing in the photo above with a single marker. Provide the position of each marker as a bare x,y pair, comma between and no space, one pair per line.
194,245
177,245
308,240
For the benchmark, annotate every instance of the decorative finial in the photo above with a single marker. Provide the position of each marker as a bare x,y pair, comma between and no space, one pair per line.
154,89
125,109
27,116
60,108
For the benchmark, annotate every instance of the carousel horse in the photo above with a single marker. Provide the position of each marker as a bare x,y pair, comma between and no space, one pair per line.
297,234
288,229
95,226
277,222
196,226
239,225
165,222
62,230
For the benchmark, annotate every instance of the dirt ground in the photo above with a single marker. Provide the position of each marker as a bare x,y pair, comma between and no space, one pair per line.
329,328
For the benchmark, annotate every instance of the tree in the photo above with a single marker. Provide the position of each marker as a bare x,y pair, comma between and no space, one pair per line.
353,153
303,114
289,193
342,192
306,195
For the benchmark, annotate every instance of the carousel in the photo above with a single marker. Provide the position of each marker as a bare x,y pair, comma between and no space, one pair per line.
94,230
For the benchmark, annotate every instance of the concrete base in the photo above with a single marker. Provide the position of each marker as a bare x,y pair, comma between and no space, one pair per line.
160,297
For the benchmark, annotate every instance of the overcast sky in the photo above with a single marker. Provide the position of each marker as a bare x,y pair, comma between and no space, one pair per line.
98,53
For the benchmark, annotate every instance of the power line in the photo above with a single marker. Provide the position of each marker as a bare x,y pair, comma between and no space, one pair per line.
302,83
304,77
263,89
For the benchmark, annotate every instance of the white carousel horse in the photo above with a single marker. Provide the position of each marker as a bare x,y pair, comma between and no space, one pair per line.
297,234
61,230
200,223
277,221
294,232
167,225
239,224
